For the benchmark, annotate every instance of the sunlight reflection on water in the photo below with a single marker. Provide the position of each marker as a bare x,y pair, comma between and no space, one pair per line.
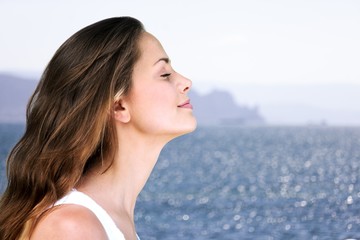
249,183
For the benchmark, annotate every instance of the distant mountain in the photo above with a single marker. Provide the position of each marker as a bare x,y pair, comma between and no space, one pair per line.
336,104
215,108
219,108
14,95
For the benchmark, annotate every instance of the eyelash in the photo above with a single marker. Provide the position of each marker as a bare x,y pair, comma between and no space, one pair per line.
166,75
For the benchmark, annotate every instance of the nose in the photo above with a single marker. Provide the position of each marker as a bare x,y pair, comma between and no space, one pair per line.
184,84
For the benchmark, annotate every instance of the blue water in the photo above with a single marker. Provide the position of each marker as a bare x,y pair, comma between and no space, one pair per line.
250,183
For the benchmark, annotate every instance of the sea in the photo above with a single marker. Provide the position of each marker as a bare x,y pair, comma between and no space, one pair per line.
266,183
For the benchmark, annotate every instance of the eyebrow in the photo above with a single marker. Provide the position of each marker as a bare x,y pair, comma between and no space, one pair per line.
165,59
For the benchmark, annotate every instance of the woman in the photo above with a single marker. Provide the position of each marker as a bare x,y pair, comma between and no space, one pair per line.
106,105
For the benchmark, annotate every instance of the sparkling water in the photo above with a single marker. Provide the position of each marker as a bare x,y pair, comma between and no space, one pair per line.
249,183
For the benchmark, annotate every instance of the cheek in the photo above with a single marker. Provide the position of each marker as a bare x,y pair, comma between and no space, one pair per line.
163,105
154,104
161,96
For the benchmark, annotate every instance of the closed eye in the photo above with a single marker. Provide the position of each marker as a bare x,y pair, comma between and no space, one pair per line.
166,75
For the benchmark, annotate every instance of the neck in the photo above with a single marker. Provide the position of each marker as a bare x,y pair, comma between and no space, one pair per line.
117,189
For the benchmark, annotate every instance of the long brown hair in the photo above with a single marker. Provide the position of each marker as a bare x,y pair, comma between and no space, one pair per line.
69,128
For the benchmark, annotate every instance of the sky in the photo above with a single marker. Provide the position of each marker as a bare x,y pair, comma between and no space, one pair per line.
266,53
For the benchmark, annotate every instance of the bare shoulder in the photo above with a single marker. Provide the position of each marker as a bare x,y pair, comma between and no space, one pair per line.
69,221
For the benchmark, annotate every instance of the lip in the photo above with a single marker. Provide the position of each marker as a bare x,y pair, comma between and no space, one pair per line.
186,104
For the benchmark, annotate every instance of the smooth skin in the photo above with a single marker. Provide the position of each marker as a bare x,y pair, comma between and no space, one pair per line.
146,119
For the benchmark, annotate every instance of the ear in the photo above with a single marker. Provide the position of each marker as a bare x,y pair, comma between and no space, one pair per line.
121,111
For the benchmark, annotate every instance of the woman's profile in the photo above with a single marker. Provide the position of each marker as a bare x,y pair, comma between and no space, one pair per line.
105,106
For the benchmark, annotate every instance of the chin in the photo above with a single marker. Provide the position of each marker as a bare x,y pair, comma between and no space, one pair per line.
185,127
190,127
193,127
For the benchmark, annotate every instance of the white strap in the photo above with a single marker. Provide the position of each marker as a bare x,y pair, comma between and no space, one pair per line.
79,198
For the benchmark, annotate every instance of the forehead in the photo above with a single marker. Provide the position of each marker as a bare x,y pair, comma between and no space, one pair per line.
150,47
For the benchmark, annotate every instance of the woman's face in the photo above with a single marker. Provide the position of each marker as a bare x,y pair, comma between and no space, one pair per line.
158,101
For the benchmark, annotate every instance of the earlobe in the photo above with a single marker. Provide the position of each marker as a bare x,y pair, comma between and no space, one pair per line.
121,112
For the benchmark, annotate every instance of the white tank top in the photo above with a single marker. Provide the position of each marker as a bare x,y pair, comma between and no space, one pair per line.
79,198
